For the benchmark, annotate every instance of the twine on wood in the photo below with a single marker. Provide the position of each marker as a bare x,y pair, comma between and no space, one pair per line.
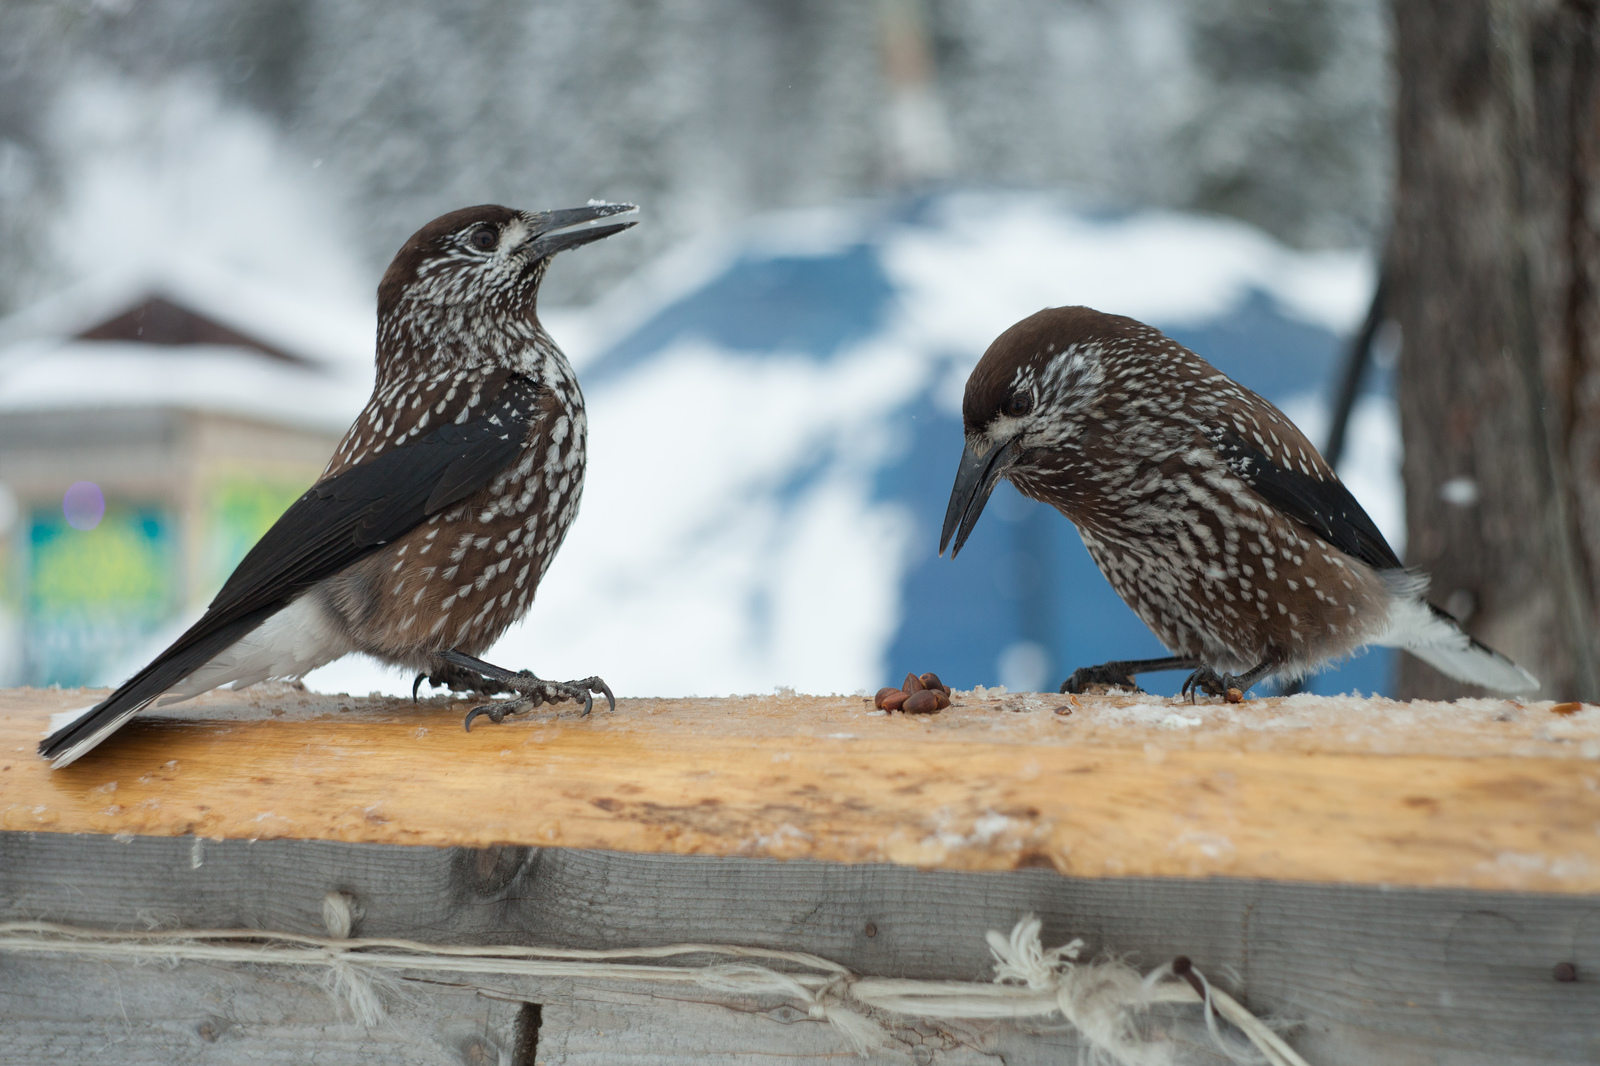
1101,1000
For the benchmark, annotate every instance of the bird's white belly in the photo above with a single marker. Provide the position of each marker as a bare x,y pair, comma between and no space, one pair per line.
290,644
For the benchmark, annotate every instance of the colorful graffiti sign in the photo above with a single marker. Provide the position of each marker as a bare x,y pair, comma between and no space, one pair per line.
239,510
92,596
94,593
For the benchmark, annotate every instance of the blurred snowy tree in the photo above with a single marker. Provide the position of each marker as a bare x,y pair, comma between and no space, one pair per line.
31,35
705,111
1283,135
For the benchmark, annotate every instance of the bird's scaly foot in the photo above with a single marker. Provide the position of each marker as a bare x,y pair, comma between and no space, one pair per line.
535,692
1212,683
466,672
1106,675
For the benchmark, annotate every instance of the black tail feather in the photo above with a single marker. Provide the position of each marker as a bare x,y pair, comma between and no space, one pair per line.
186,655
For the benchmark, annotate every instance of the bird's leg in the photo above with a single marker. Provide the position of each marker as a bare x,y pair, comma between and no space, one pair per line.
531,691
460,678
1215,684
1120,672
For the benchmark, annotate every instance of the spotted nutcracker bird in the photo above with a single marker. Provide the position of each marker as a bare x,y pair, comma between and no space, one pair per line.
442,506
1208,511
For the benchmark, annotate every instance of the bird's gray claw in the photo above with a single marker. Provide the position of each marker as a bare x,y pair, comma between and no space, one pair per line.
491,711
1209,681
594,685
416,686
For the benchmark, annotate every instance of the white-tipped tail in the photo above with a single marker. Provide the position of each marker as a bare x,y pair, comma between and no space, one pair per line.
88,743
290,643
1433,636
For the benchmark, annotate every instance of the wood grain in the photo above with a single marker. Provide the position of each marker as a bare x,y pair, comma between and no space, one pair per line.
1481,794
1373,975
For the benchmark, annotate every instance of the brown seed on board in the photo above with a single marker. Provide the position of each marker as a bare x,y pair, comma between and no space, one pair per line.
883,694
912,683
931,680
894,700
1566,708
942,696
924,702
1235,696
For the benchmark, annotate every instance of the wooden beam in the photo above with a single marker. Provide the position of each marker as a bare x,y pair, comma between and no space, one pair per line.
1371,975
1483,794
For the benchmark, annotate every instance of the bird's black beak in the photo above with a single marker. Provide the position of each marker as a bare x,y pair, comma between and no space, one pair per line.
553,233
976,478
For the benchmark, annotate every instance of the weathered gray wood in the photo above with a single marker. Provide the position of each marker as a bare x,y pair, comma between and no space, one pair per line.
66,1011
1402,976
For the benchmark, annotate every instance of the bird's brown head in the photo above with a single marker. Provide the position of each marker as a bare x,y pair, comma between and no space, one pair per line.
471,277
1028,398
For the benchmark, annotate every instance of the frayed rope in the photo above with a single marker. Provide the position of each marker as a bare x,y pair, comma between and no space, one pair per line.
1101,1000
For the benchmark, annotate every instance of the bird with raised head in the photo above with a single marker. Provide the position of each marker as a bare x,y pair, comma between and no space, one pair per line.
1208,511
442,506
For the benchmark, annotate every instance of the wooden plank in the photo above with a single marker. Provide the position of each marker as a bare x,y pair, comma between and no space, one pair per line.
1392,976
65,1011
1483,794
212,1015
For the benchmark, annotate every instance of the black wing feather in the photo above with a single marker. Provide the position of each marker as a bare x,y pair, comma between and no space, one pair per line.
1322,505
336,523
465,476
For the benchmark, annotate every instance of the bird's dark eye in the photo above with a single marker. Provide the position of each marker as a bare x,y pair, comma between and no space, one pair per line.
1019,404
485,237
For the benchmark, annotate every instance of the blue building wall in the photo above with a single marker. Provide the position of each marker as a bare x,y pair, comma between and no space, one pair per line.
1024,576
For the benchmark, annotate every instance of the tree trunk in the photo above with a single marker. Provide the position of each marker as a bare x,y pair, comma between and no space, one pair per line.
1496,266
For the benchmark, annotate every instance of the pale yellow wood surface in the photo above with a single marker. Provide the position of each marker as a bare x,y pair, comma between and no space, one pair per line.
1485,793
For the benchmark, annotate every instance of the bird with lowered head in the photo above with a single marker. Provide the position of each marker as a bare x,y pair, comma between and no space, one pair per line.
1208,511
